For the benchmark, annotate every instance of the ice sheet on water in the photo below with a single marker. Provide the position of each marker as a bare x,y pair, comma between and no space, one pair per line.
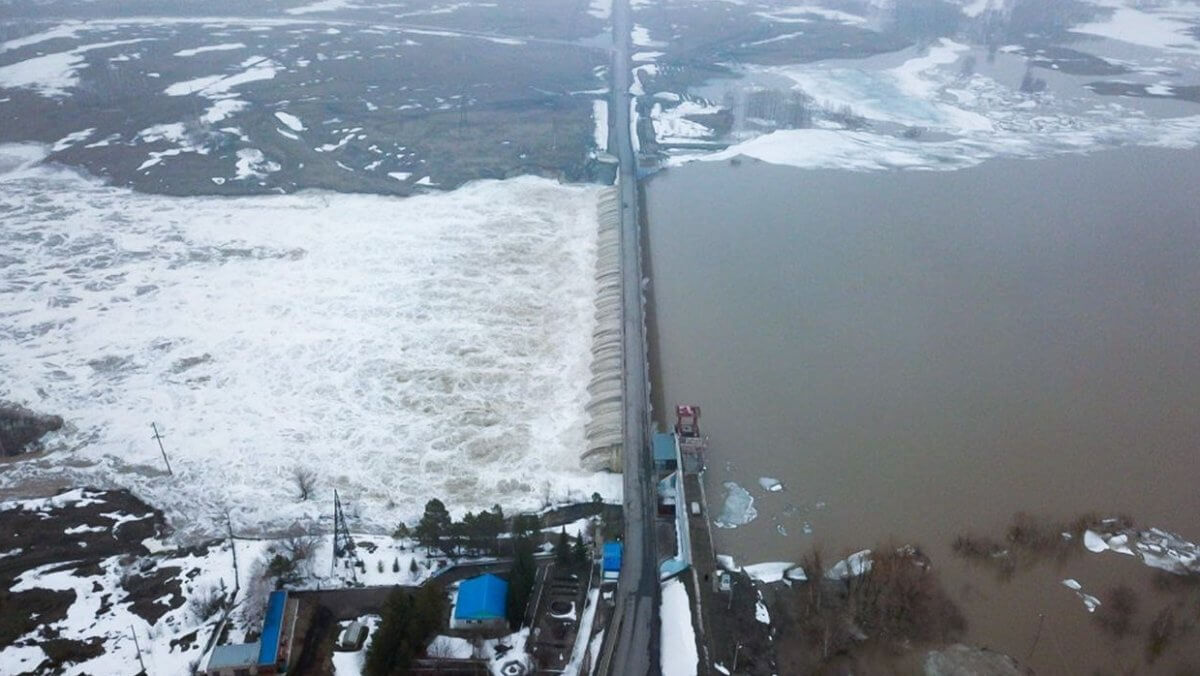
770,484
852,566
1155,547
400,349
738,509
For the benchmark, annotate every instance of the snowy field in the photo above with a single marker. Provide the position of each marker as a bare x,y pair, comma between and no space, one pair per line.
398,349
946,103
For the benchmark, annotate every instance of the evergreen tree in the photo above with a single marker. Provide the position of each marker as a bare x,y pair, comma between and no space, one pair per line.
434,528
579,551
520,581
412,566
408,624
396,565
562,549
491,525
389,651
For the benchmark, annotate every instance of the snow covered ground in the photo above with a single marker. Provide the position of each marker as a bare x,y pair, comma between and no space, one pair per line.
952,105
678,642
399,349
103,605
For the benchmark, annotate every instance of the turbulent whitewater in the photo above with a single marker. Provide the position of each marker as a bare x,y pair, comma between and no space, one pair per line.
399,349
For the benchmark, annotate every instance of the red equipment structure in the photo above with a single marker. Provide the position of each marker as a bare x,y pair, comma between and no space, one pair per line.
687,429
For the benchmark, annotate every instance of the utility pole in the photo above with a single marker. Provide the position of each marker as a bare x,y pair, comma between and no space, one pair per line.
139,648
233,548
158,437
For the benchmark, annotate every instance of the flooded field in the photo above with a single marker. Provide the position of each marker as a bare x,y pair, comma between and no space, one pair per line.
922,355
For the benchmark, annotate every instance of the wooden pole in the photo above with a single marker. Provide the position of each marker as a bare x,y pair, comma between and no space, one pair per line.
158,438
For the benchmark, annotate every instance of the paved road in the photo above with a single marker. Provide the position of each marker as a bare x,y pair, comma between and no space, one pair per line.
632,636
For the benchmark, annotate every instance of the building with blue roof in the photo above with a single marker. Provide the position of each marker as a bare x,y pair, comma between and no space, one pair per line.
665,455
613,551
480,603
268,655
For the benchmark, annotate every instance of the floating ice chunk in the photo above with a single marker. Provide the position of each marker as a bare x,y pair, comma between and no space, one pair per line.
770,484
1090,602
738,509
761,613
290,120
780,529
770,571
1094,542
852,566
251,163
210,48
797,574
1120,544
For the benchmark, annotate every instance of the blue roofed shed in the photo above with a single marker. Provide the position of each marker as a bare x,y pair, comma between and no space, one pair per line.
664,451
268,653
480,603
612,559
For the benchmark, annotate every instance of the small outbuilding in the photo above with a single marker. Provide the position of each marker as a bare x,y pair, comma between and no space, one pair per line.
233,660
613,552
665,457
481,603
270,654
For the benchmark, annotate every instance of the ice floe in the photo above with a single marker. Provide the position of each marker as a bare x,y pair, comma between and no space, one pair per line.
1155,547
254,69
53,75
770,484
738,508
852,566
1090,602
291,121
223,47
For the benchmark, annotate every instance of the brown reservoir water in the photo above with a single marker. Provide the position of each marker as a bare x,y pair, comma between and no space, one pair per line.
917,355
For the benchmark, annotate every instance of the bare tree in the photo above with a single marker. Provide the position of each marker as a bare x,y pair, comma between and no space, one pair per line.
305,480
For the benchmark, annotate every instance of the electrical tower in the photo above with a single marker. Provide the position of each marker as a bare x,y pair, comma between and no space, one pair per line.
343,543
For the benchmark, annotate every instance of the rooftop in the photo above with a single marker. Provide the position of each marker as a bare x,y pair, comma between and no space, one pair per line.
664,447
481,598
238,655
272,628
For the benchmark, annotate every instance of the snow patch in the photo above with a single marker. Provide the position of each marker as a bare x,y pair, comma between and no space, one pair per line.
291,121
678,645
223,47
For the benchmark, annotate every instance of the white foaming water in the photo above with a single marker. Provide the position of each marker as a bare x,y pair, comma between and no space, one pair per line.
605,412
402,349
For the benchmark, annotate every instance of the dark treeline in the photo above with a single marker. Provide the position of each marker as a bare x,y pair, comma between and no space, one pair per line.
409,621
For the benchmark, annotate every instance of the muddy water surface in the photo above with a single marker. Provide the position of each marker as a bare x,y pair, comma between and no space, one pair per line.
921,354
